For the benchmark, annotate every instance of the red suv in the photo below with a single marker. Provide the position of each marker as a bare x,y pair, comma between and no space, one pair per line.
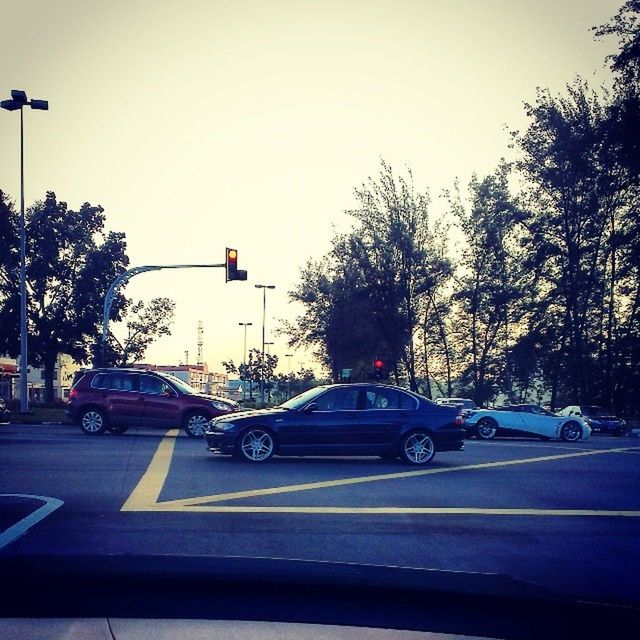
116,399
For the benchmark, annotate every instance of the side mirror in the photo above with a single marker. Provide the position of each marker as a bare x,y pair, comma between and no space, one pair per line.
167,392
310,408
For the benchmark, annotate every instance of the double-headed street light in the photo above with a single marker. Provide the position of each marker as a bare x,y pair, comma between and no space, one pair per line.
17,101
264,288
244,359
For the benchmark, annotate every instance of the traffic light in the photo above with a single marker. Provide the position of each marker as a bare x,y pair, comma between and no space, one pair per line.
378,369
231,264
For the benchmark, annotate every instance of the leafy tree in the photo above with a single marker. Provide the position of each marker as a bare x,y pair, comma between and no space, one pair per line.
364,300
487,281
71,261
625,26
575,196
145,323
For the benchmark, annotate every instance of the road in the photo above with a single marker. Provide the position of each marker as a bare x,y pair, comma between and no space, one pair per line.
562,515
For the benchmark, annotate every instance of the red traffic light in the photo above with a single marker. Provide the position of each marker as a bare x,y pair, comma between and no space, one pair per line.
378,364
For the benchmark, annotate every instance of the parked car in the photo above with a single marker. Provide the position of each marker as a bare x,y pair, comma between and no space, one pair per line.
117,399
5,415
352,419
526,419
597,418
467,405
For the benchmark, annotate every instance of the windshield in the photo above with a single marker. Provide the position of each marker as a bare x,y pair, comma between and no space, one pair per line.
395,211
180,384
595,411
302,399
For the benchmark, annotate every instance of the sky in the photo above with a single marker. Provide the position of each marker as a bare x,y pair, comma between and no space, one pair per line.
199,125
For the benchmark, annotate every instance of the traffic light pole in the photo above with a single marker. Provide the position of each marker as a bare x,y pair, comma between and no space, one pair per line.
124,278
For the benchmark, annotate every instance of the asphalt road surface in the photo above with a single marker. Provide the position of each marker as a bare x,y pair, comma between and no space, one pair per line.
561,515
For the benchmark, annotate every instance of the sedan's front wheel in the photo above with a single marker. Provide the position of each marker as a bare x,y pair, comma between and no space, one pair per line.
418,448
256,445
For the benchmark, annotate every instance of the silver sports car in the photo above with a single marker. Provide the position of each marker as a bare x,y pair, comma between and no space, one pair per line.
528,420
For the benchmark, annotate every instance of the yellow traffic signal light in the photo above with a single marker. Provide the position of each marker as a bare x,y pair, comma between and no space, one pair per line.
231,264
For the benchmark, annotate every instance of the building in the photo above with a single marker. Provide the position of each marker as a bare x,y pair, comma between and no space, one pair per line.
197,376
62,379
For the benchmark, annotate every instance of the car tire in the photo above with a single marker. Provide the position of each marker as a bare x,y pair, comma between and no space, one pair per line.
117,429
256,445
194,423
93,422
418,447
621,432
486,429
571,432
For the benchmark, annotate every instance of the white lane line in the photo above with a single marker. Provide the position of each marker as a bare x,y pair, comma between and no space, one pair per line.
21,527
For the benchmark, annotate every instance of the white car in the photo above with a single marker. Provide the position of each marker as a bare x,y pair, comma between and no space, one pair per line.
526,419
466,405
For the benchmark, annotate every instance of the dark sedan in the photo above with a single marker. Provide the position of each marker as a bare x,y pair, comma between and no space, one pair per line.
351,419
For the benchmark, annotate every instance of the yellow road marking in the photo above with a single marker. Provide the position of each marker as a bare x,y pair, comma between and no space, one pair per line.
164,506
147,491
146,494
223,497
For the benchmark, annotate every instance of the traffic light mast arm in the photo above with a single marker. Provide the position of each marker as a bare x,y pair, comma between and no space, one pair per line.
126,276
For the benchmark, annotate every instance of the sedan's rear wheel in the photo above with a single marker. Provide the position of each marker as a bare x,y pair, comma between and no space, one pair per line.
195,423
486,429
256,445
93,422
571,432
418,448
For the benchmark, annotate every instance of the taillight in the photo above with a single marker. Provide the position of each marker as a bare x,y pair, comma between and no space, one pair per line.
73,393
459,420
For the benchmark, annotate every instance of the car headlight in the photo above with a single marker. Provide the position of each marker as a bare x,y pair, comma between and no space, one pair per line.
221,406
222,426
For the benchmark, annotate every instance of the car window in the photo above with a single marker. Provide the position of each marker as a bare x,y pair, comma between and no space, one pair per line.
114,381
153,385
342,399
407,401
381,399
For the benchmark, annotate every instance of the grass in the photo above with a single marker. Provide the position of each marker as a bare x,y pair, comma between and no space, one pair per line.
40,414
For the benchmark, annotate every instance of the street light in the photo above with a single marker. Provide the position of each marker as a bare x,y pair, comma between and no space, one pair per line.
17,101
264,288
289,356
244,358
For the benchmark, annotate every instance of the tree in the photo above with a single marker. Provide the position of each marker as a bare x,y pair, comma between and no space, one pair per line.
486,281
625,26
577,195
144,324
364,299
71,262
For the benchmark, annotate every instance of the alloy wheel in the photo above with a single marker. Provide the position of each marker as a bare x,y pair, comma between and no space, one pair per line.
93,422
419,448
257,445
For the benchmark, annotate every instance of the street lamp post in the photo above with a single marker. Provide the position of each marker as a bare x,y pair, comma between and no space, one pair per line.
244,359
268,344
264,288
289,356
17,101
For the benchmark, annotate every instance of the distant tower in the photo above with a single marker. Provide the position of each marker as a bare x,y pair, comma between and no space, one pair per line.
200,342
186,357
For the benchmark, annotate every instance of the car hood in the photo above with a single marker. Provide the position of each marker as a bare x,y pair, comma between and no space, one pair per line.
252,413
